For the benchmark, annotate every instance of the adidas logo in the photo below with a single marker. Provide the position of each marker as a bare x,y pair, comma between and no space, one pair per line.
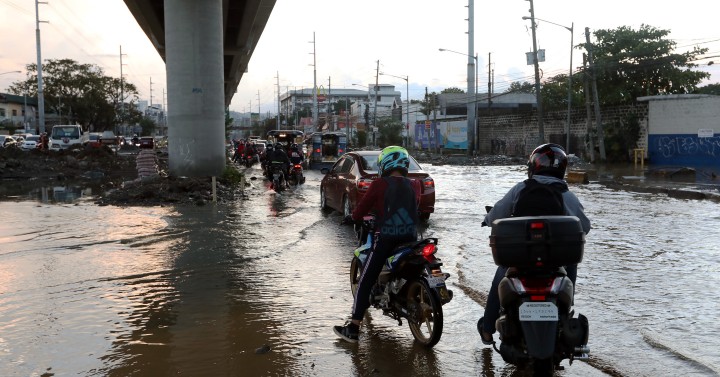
399,224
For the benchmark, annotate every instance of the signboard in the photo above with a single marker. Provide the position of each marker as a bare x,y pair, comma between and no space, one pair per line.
706,132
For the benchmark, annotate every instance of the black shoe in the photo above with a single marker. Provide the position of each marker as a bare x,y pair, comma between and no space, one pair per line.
346,333
485,337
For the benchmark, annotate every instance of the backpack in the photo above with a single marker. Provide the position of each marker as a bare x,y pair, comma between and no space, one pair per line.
400,217
537,199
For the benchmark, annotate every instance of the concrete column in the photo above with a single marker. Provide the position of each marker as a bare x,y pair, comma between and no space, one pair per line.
196,99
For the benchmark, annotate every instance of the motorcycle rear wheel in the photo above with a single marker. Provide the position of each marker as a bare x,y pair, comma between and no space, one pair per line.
356,268
426,319
543,368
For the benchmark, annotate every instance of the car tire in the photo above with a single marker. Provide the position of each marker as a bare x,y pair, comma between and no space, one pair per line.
347,210
323,200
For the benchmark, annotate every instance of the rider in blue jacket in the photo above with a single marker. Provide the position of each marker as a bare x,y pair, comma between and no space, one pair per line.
546,166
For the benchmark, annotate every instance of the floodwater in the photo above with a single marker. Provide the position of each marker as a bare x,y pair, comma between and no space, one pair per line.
206,291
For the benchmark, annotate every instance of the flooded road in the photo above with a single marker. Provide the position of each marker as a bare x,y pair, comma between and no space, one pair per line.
205,291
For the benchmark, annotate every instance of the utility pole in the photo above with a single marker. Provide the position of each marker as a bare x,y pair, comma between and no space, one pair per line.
598,118
151,95
315,100
471,74
259,106
329,116
538,96
489,81
122,92
278,97
41,97
588,112
377,73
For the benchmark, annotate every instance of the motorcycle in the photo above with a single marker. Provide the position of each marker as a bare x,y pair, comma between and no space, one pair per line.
537,325
411,284
296,174
248,159
278,177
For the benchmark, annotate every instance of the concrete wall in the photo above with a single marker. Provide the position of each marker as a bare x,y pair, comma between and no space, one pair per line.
684,130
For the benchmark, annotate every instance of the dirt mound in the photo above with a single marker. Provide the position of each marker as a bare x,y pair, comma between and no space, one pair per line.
117,173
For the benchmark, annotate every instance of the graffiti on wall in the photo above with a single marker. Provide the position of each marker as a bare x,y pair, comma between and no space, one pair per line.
684,149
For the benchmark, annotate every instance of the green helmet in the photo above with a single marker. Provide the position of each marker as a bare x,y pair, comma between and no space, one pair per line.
392,158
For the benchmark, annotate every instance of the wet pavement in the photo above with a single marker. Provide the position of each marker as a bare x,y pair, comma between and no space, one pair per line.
253,288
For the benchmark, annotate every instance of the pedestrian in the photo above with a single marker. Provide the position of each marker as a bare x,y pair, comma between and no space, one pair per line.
544,193
392,196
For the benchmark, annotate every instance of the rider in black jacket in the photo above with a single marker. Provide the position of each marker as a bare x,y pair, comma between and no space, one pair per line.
279,157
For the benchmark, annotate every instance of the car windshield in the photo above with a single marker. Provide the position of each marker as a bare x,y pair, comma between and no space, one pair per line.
58,132
369,163
32,138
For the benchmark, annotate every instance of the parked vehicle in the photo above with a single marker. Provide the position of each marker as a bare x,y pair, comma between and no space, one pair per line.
66,136
347,181
537,324
94,140
31,142
146,142
7,141
411,285
324,148
109,138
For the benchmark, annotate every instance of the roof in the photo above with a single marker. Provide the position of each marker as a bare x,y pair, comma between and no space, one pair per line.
11,98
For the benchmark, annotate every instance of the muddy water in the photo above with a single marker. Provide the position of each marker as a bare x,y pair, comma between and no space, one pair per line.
107,291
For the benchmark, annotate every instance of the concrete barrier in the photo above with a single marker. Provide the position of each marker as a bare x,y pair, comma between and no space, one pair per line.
577,177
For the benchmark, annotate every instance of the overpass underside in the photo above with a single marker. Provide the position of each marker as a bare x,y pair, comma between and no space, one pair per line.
206,46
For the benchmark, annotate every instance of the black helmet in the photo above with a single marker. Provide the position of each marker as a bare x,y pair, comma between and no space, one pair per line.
294,146
278,146
548,159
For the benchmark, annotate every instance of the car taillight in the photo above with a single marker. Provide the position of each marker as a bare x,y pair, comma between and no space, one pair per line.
340,151
428,183
317,150
363,184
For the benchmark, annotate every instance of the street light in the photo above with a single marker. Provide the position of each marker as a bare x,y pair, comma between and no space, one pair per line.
567,125
407,109
471,127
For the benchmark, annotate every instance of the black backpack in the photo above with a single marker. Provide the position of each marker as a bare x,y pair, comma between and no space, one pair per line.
400,218
537,199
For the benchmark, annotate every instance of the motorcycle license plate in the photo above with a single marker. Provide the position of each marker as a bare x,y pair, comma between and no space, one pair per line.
538,311
435,281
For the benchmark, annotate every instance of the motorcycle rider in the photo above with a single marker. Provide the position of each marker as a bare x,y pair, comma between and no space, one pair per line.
296,156
546,166
279,157
393,192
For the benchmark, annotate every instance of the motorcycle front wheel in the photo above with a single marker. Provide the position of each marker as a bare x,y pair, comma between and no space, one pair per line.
356,268
426,316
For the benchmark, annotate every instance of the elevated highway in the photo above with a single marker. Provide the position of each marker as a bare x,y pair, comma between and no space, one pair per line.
206,46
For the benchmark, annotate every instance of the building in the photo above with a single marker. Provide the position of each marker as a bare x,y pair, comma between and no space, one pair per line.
18,112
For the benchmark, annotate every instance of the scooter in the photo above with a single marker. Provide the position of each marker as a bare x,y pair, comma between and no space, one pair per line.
537,325
411,285
296,175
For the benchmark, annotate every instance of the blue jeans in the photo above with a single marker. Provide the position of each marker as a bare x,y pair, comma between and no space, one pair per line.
492,307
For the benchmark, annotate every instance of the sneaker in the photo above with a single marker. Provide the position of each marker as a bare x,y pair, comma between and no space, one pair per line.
346,333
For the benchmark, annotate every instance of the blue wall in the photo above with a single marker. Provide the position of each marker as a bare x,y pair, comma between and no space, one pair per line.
684,150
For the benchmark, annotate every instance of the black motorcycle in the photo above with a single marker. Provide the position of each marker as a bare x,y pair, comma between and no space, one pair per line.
278,176
537,325
296,175
410,286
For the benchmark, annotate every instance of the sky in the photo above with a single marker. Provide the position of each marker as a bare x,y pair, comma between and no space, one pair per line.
351,37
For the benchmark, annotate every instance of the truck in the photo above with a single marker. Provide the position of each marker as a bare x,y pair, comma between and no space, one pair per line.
65,136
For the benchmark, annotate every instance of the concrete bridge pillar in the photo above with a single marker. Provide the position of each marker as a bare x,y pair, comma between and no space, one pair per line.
196,102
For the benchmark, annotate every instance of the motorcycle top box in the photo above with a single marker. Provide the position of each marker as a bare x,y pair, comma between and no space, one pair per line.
538,241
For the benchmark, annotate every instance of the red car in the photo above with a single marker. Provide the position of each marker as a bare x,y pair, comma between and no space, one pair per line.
349,178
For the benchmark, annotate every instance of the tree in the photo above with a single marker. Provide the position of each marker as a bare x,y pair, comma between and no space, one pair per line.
635,63
453,90
713,89
521,87
81,93
390,132
429,103
147,125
